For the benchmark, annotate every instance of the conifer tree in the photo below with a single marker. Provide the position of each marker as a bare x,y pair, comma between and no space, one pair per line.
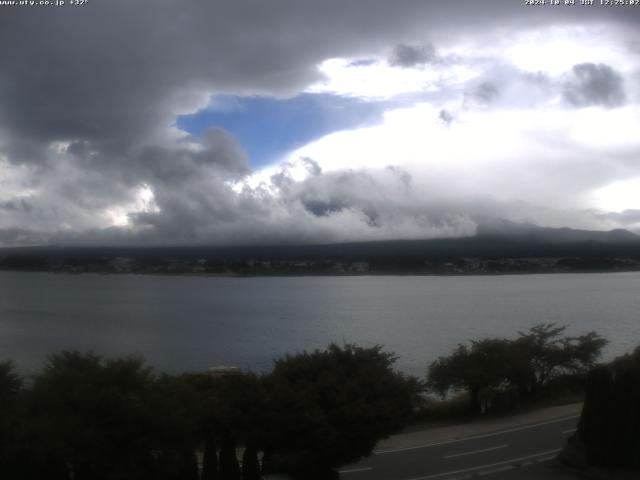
210,459
250,464
229,467
188,466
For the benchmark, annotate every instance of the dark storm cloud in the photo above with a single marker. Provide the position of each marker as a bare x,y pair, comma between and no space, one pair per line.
407,56
595,84
220,152
22,237
18,205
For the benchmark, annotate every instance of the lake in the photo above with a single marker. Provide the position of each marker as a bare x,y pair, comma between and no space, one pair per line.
190,323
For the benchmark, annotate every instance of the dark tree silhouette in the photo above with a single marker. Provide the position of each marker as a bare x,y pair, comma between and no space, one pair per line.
250,464
188,465
328,408
482,367
113,419
609,428
543,353
229,466
175,406
90,414
527,364
230,406
11,421
210,458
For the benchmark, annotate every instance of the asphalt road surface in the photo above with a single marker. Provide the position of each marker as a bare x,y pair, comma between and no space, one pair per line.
467,457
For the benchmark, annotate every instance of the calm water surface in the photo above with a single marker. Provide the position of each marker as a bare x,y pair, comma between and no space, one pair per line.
189,323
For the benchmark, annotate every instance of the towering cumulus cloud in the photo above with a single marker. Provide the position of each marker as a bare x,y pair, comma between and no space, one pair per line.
112,131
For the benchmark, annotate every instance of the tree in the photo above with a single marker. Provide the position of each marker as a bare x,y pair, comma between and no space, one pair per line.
250,464
328,408
543,353
188,465
231,410
527,364
176,409
11,420
209,458
609,427
229,467
10,381
482,367
92,415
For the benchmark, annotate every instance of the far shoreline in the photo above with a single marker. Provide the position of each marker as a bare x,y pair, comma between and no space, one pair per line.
311,274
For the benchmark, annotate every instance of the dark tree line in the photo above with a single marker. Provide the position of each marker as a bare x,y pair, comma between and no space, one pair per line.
489,369
83,417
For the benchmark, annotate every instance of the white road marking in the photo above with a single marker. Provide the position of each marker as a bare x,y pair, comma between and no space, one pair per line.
488,449
481,467
354,470
493,471
474,437
567,432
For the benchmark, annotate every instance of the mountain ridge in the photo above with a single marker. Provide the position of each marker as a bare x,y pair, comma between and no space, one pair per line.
496,239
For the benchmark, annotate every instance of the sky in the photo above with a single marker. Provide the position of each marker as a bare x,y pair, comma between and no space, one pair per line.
239,122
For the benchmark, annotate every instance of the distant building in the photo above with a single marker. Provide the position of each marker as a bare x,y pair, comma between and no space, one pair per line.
360,267
122,264
224,371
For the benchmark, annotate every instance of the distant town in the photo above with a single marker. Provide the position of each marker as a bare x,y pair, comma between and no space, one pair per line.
262,267
512,249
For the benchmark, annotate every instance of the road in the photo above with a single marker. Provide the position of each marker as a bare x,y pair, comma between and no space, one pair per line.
467,457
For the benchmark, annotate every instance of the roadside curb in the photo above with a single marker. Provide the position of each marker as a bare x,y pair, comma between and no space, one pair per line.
452,433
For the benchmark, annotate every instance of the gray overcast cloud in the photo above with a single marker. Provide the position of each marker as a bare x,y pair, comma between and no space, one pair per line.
488,122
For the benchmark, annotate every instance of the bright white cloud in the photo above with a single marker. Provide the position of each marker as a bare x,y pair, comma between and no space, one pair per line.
377,80
476,139
143,202
619,196
555,50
